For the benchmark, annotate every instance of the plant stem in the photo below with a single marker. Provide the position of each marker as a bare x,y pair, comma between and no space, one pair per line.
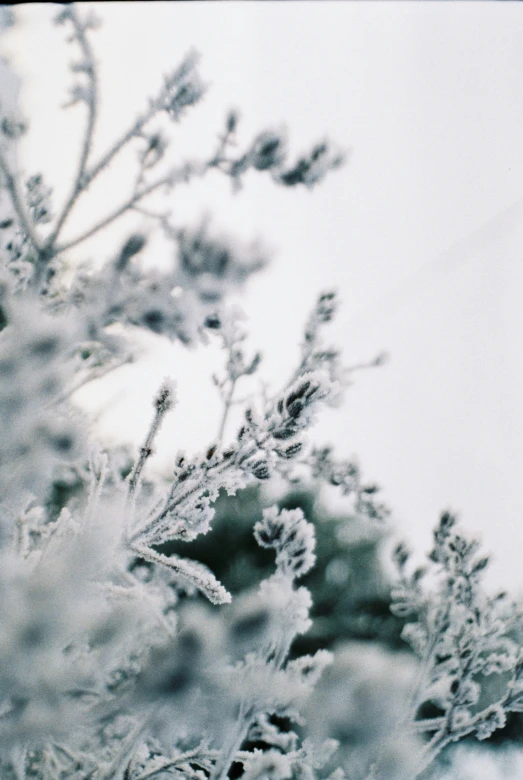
18,204
182,174
226,410
92,104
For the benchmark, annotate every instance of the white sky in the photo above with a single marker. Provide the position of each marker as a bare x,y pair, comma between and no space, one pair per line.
421,232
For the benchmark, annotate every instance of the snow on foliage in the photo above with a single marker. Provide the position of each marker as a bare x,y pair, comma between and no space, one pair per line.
118,660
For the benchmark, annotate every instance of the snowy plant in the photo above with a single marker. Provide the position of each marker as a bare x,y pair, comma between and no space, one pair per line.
112,665
468,643
118,658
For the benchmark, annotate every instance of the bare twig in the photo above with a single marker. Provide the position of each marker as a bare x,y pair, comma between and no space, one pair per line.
133,132
155,106
97,373
91,99
228,402
170,180
162,404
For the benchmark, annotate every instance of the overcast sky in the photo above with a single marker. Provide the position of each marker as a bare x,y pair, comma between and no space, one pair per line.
421,232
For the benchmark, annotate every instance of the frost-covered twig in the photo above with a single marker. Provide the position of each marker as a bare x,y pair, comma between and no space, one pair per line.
111,666
163,402
181,89
462,636
191,572
17,200
90,96
182,174
200,757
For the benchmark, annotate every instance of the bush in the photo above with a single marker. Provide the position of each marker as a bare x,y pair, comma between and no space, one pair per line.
122,657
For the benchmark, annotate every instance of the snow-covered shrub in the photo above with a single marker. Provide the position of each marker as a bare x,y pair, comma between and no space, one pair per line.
119,658
110,664
349,587
468,643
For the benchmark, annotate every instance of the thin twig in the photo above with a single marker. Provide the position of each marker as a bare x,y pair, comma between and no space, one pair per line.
18,204
133,132
191,756
171,502
226,410
181,174
245,718
92,105
85,176
129,746
97,373
146,450
431,751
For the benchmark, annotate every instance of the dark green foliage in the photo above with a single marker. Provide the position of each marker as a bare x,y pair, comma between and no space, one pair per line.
349,589
64,488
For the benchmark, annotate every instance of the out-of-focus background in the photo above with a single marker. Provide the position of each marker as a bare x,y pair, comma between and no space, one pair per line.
421,232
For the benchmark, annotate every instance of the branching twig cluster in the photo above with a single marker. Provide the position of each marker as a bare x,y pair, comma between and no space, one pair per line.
471,667
110,666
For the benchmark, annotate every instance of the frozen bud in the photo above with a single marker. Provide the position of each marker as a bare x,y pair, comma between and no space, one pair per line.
291,536
312,168
38,199
380,359
13,128
260,470
302,395
494,719
186,95
287,431
326,306
269,531
297,394
401,555
212,322
154,319
184,88
232,121
402,604
155,149
132,246
480,565
166,397
253,365
447,520
306,390
268,151
291,451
